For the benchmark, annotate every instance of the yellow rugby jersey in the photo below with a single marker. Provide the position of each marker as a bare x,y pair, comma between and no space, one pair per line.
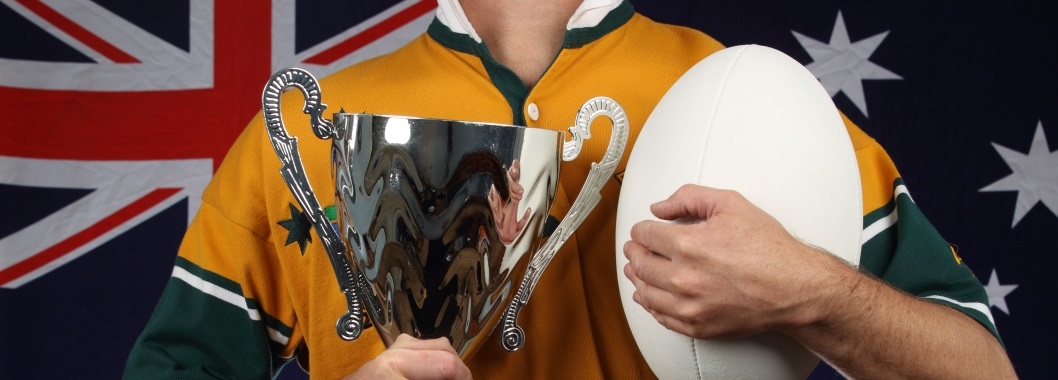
253,288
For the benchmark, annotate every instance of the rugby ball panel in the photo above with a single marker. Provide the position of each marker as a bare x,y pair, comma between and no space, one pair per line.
751,119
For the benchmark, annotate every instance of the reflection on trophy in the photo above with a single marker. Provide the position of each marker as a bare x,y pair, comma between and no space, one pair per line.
440,222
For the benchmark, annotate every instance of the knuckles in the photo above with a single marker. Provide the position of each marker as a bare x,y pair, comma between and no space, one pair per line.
690,313
686,243
727,196
686,189
639,230
686,283
448,367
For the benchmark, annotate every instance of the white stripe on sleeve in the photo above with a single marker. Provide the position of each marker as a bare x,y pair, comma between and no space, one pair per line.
226,296
976,306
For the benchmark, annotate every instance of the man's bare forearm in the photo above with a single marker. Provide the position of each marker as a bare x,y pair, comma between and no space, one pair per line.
871,330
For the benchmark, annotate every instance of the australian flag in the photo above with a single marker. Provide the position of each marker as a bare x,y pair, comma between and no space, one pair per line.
116,113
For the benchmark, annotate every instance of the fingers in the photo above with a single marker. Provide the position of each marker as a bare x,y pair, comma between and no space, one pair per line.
677,325
516,191
646,266
692,201
672,240
649,296
669,308
430,365
407,342
427,359
662,303
524,220
515,171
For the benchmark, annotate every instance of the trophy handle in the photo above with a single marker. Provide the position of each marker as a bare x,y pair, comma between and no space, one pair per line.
350,325
513,337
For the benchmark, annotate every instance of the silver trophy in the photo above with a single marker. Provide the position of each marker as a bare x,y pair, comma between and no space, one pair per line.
436,218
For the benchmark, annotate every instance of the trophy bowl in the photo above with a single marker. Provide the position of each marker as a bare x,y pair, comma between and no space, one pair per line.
439,215
440,223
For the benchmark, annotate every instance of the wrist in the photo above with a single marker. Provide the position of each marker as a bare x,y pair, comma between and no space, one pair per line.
833,295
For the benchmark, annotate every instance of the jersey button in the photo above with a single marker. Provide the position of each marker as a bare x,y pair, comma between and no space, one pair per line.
533,111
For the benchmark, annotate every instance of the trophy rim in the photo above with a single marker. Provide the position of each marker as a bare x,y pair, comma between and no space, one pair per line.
528,129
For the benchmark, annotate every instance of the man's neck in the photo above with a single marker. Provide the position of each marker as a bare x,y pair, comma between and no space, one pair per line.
524,35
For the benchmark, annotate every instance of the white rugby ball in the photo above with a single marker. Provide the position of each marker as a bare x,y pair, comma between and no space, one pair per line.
751,119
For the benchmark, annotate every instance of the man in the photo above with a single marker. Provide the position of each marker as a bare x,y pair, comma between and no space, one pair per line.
244,299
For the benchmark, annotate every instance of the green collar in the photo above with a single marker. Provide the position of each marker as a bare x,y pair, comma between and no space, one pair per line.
512,87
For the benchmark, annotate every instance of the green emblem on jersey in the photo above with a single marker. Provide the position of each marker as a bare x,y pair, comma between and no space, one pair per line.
331,212
298,228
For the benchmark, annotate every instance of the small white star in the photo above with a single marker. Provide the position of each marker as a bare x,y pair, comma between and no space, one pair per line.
997,293
841,65
1035,176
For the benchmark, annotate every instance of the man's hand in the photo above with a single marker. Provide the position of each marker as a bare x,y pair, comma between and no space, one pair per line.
726,268
410,358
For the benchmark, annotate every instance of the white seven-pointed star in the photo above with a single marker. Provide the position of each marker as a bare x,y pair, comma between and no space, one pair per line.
841,65
997,293
1035,176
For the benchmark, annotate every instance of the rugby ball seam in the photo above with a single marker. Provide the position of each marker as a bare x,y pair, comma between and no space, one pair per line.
707,140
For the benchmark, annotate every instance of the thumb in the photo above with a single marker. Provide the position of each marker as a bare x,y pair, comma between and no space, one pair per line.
690,202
